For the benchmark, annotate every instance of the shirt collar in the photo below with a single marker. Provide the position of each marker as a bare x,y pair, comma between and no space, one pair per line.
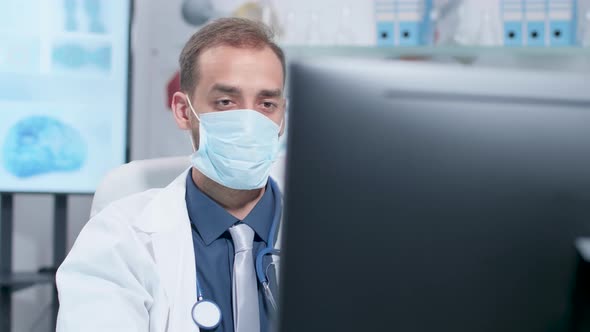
212,220
261,217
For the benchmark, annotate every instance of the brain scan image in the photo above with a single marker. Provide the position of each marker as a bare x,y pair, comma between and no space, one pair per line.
41,144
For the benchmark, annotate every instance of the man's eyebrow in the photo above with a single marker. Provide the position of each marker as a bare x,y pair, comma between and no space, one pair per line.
270,93
227,89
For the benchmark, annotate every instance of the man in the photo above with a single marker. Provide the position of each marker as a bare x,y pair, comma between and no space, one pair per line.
182,257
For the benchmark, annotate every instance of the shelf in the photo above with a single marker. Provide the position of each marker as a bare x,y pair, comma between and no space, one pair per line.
440,51
19,280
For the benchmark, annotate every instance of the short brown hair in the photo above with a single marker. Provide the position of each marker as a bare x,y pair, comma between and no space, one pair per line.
235,32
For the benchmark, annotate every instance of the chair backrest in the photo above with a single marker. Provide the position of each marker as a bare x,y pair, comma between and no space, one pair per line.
141,175
135,177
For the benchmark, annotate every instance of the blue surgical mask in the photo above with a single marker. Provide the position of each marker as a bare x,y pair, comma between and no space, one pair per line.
236,147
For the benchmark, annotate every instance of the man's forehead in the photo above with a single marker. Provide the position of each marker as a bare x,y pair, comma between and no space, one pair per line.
221,60
229,88
223,49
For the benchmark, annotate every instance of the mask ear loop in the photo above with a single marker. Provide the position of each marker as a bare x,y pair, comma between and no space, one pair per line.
190,134
281,126
188,99
283,120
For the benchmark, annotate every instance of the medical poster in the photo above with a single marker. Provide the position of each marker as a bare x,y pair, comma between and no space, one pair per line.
63,93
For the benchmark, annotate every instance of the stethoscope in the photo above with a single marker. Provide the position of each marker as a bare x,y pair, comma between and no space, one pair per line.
206,313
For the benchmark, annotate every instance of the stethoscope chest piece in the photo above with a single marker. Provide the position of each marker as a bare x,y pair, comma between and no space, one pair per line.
206,314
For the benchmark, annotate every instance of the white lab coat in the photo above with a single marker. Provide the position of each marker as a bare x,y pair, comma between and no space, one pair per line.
132,267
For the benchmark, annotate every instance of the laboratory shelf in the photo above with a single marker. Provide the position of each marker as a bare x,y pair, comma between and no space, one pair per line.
435,51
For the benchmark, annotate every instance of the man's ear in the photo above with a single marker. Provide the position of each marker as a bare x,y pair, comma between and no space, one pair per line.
180,110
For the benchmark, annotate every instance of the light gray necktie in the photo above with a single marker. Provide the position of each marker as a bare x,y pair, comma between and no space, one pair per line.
244,286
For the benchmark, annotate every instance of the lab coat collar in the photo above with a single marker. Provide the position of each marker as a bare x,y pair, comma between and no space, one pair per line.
167,210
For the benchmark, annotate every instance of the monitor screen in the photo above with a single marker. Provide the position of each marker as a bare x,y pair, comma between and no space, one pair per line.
63,93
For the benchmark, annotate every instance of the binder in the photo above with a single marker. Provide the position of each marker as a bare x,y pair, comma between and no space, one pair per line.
385,19
536,22
410,15
513,15
403,22
561,22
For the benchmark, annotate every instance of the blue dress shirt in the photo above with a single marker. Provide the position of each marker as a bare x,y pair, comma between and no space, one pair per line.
214,250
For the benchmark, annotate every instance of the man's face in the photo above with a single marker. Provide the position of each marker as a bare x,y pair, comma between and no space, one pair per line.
238,78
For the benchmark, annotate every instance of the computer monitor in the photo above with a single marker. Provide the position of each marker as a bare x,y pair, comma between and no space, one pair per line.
425,197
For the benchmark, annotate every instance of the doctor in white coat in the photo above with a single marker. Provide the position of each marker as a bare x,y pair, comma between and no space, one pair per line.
133,267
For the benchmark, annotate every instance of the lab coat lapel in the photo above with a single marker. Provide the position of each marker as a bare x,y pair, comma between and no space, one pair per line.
166,220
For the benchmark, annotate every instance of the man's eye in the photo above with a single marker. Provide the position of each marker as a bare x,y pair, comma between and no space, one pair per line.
268,105
224,104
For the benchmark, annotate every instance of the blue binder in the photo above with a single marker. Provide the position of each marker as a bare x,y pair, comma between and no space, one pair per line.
562,22
513,16
403,22
409,14
385,17
536,22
